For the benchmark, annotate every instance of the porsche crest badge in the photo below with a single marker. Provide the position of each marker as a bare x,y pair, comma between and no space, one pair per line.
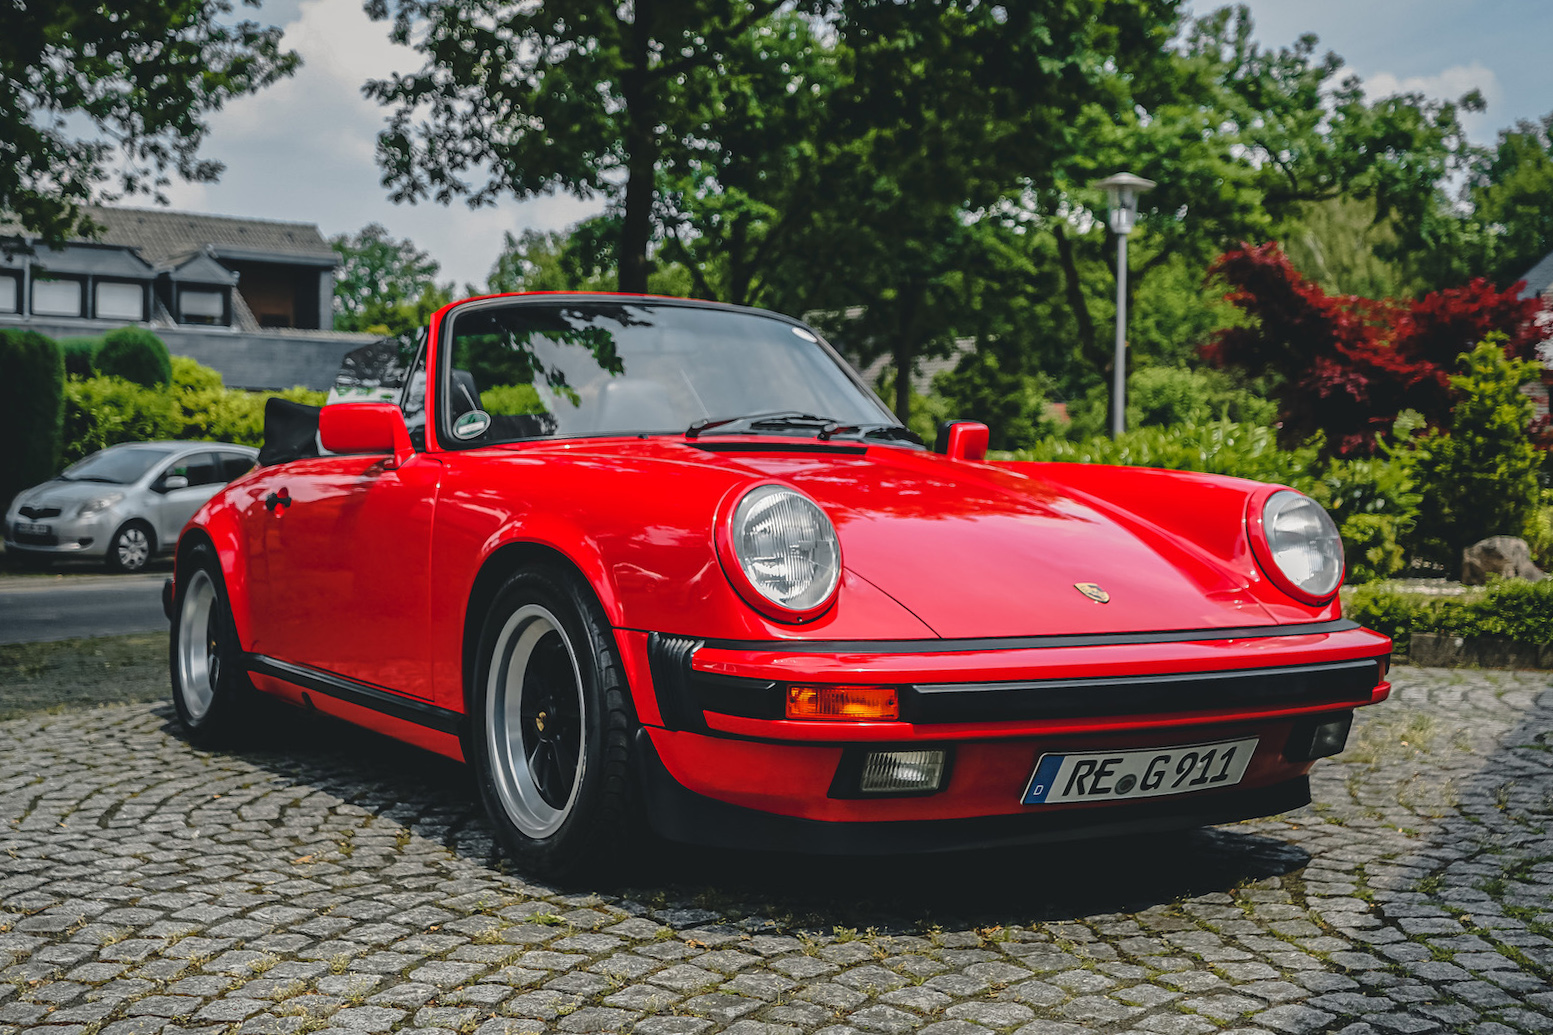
1093,592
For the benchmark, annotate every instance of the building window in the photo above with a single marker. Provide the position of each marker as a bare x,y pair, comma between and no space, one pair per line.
207,307
120,301
10,293
58,298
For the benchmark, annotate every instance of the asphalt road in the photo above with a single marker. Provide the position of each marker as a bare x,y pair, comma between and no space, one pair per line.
38,608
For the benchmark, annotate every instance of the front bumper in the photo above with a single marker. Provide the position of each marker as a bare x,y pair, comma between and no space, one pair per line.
716,736
67,537
680,814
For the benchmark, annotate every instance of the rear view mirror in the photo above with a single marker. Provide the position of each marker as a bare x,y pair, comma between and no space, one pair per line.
365,428
962,440
174,481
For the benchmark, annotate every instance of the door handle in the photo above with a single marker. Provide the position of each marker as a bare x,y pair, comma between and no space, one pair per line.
277,499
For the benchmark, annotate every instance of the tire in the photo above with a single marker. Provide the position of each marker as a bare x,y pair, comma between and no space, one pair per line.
211,690
551,726
131,547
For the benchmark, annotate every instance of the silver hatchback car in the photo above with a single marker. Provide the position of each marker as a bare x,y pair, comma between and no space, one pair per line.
125,503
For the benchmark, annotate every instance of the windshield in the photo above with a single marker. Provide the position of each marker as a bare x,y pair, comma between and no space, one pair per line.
124,465
597,367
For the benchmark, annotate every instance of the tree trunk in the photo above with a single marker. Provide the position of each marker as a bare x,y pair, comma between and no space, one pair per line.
641,155
904,353
1074,291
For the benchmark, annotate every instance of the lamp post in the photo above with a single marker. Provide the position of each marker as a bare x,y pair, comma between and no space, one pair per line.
1123,190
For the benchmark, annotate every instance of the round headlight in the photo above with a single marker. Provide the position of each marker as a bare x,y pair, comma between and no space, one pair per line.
786,548
1303,542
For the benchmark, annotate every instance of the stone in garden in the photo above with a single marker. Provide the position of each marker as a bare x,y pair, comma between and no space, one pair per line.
1502,555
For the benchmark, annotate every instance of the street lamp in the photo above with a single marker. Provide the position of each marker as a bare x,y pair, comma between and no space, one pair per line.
1123,190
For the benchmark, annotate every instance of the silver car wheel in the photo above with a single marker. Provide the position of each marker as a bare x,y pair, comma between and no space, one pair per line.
199,653
131,548
536,721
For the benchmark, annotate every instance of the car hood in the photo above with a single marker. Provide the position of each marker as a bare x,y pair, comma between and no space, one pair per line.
65,495
977,551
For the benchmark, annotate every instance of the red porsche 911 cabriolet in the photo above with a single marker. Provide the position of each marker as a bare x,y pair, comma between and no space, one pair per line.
644,559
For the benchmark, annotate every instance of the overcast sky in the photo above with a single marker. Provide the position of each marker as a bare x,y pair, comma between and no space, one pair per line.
303,149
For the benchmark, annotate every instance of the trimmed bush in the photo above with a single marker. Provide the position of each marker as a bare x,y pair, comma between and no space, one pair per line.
32,379
134,354
80,355
1512,609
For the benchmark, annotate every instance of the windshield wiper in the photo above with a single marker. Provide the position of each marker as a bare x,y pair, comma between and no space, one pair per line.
883,431
775,420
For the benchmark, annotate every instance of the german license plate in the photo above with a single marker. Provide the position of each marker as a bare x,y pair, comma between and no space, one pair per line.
1151,773
29,528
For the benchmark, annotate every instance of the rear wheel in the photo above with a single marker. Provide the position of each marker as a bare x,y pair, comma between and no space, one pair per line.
130,548
552,722
211,689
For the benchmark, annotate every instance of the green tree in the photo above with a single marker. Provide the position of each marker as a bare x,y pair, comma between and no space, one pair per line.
1481,478
1511,207
1241,139
384,285
516,99
98,101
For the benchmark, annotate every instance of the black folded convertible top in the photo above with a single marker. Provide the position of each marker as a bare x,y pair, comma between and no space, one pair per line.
290,431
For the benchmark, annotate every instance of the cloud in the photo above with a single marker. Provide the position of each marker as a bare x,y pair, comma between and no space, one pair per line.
1448,85
304,150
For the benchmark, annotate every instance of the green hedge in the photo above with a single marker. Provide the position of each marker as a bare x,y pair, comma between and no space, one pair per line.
32,377
103,411
1512,609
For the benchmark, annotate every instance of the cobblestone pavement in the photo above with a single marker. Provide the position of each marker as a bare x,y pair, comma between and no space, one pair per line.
346,883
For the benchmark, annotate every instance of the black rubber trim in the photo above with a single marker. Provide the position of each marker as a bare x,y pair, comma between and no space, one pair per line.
1251,632
777,446
682,815
1301,746
668,660
363,694
167,599
1344,682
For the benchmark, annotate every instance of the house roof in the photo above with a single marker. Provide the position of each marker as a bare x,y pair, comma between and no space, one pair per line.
1539,278
96,260
168,238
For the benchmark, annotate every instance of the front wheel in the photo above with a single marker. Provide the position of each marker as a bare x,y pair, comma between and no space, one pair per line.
130,548
551,725
211,689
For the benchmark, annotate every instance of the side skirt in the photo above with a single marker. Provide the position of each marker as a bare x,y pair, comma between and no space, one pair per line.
362,695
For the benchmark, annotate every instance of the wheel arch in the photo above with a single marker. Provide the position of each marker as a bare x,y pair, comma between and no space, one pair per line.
503,562
222,539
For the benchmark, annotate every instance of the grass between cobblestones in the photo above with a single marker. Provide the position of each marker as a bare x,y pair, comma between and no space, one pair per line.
48,677
324,878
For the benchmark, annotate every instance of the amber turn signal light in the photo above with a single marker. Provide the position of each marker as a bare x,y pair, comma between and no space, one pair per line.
842,702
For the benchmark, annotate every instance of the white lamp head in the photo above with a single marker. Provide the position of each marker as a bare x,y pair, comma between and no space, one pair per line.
1123,189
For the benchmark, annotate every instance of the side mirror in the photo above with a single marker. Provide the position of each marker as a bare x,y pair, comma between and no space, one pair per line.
174,481
962,440
374,427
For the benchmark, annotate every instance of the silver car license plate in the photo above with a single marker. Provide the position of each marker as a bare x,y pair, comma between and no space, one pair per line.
1151,773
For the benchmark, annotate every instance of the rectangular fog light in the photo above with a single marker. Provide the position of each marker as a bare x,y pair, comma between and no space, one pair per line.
902,772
